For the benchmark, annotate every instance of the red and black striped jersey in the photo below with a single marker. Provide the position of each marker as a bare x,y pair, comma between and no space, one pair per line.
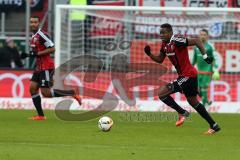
177,52
39,42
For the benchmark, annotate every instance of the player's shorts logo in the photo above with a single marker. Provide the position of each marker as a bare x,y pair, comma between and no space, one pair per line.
43,82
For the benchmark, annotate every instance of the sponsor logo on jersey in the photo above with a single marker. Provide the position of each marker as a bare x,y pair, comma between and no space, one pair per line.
170,54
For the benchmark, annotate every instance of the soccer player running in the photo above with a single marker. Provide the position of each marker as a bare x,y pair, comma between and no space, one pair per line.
41,47
206,71
175,48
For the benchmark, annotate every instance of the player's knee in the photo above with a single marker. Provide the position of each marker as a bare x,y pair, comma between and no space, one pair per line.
46,94
193,101
161,96
33,90
163,92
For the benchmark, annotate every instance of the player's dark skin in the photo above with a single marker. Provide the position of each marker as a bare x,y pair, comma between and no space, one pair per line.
165,35
34,25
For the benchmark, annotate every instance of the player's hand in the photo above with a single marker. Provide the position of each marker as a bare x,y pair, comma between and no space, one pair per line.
147,50
24,55
208,59
33,54
216,75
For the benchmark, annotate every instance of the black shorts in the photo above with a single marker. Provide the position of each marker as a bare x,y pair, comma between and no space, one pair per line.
186,85
43,78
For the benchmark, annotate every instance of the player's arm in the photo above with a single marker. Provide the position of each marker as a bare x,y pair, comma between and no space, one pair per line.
197,42
216,74
215,61
157,58
46,51
47,42
194,61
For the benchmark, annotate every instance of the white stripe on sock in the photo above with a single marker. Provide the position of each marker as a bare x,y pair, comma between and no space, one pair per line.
197,105
35,95
163,98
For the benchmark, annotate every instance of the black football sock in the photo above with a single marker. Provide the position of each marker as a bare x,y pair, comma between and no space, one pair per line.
203,112
37,103
168,100
62,93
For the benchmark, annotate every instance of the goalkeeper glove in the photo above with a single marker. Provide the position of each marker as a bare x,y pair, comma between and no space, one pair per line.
147,50
207,58
216,75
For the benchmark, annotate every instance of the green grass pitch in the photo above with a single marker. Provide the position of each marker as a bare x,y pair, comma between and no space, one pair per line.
134,136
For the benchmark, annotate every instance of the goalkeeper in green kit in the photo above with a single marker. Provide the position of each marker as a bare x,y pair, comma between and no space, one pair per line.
206,72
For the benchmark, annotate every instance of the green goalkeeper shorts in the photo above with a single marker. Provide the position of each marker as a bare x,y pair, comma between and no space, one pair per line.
204,80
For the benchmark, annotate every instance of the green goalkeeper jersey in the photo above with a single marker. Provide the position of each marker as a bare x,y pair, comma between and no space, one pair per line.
198,59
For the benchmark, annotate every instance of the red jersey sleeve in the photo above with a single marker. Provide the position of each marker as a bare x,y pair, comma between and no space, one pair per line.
45,40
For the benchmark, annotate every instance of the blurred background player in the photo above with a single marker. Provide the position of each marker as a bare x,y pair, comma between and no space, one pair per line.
41,47
206,71
175,48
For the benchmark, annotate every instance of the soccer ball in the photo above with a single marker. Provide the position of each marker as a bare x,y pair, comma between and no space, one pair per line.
105,124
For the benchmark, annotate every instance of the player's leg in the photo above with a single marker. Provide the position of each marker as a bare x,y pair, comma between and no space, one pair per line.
48,91
200,84
204,81
190,91
164,96
204,114
36,98
204,93
207,80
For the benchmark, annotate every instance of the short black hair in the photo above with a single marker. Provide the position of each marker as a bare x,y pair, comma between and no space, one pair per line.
204,30
167,26
35,17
